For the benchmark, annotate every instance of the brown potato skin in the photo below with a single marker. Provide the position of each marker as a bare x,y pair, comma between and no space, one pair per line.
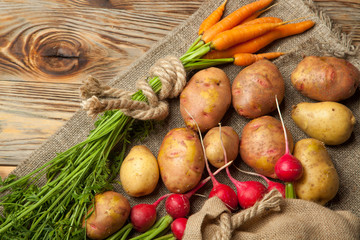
207,97
181,160
320,181
255,87
325,78
111,212
139,172
213,149
263,143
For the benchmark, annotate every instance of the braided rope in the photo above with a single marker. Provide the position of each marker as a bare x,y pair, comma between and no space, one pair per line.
225,227
271,201
170,72
228,223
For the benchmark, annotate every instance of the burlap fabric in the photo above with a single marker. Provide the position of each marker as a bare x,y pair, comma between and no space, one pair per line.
323,39
273,218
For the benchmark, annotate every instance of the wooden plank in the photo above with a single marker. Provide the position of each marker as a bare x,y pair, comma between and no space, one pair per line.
345,13
5,171
47,51
48,46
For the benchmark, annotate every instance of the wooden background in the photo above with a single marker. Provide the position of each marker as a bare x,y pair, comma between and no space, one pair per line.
48,46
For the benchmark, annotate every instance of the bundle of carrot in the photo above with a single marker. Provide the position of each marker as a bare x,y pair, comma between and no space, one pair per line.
238,36
56,210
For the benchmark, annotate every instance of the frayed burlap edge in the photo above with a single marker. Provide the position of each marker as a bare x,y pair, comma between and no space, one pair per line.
345,39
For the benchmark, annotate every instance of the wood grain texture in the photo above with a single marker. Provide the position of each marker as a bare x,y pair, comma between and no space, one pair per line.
345,13
48,46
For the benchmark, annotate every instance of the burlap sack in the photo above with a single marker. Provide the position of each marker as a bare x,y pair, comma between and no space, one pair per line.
320,40
272,218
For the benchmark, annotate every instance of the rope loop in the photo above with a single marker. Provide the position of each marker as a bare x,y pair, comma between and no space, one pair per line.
228,223
170,72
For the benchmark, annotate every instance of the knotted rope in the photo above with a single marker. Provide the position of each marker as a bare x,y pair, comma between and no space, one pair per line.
228,223
170,72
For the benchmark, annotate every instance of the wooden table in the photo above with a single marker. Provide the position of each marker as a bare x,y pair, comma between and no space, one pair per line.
48,46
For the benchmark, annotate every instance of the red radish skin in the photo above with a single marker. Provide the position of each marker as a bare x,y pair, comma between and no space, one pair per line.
143,216
178,205
249,192
178,227
226,194
271,184
276,185
287,168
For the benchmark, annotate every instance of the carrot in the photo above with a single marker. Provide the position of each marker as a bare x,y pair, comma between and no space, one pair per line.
234,19
260,20
238,35
252,17
213,18
258,43
210,21
245,59
257,13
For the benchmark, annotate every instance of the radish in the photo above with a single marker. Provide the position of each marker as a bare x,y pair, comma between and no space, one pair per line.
248,192
225,193
143,216
287,168
178,227
271,184
222,191
178,205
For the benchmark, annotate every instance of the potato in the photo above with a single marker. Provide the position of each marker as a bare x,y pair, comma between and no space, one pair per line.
255,87
111,212
263,143
213,149
139,172
181,160
320,181
207,97
329,122
326,78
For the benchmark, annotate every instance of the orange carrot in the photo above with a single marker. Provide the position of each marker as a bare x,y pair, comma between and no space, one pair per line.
260,20
245,59
234,19
238,35
212,19
258,13
258,43
252,17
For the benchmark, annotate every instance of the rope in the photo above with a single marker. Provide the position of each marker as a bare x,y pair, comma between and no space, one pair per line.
228,223
271,201
170,72
225,227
